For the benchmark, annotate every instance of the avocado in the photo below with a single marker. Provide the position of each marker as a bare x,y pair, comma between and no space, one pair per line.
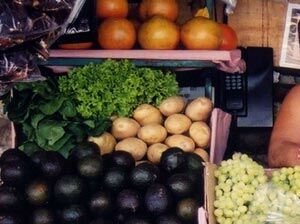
138,220
143,175
68,189
10,199
194,162
90,167
100,221
198,182
15,174
43,216
38,192
82,150
52,165
73,214
106,159
173,160
101,204
187,210
13,155
115,179
168,219
128,201
180,185
157,199
122,159
10,219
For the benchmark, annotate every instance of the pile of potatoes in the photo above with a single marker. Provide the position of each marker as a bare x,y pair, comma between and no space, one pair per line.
152,130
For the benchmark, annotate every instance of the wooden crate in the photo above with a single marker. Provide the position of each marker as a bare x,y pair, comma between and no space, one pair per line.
260,23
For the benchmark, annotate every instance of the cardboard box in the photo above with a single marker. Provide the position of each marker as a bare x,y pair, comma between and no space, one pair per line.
261,23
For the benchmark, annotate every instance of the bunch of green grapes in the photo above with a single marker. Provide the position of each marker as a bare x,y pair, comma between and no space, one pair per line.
288,179
272,204
237,181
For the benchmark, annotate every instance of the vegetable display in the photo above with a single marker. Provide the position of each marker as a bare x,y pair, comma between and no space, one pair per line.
47,119
116,88
153,129
87,188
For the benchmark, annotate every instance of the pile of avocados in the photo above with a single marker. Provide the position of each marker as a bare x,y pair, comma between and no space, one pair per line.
87,188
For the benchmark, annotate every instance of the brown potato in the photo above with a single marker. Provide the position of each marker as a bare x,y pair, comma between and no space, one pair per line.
202,153
199,109
136,147
177,123
147,114
154,152
124,127
106,142
185,143
152,133
200,133
172,105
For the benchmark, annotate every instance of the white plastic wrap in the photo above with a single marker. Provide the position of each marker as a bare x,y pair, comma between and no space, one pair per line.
27,30
230,5
274,205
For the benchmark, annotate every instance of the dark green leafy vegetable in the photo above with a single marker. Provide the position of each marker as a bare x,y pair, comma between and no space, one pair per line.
116,88
48,119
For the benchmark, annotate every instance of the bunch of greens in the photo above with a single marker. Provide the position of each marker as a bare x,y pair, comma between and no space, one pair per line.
116,88
48,119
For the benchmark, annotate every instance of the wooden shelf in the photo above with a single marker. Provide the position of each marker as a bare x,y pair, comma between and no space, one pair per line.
153,58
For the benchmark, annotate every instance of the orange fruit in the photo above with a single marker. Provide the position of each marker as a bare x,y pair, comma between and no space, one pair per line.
159,33
166,8
116,33
200,33
112,8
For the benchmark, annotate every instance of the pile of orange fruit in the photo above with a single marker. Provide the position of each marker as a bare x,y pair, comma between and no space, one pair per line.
157,29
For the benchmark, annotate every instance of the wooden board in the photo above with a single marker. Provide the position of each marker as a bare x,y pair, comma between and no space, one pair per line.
260,23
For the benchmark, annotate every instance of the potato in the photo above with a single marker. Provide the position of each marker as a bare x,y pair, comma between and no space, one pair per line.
202,153
154,152
124,127
136,147
177,123
147,114
199,109
152,133
172,105
185,143
200,133
106,142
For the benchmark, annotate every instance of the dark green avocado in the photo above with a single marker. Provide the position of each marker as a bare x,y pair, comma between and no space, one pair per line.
115,179
187,210
82,150
10,219
73,214
143,175
38,193
194,162
168,219
138,220
15,174
10,199
101,204
122,159
13,155
68,189
128,202
43,216
157,199
180,185
90,167
52,165
173,160
100,221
